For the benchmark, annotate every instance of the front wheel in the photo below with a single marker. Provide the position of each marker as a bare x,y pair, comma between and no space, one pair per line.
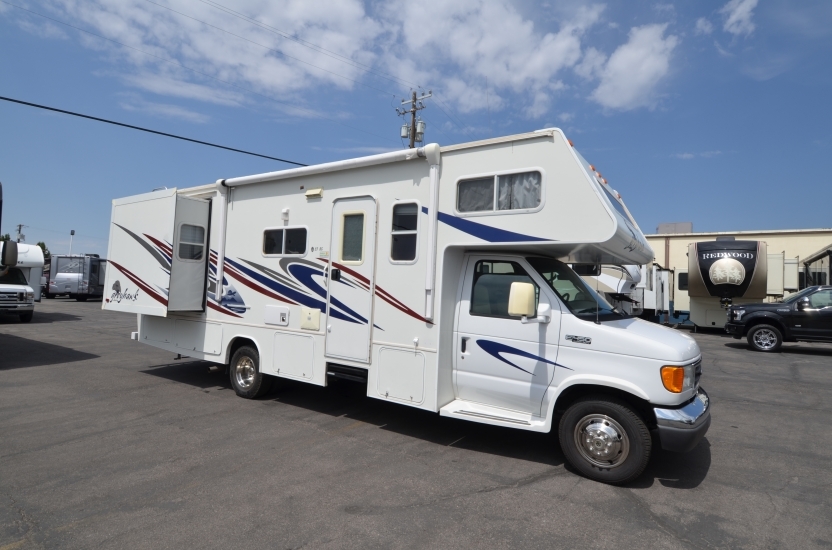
765,338
246,378
26,317
81,297
605,440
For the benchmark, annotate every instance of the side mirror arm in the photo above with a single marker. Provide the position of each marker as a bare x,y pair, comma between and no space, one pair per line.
544,315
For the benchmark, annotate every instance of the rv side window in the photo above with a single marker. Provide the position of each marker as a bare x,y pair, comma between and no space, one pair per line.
69,265
492,284
521,191
683,281
352,238
191,242
404,232
288,241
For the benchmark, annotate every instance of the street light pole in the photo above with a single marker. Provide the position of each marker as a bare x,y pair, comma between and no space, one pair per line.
71,233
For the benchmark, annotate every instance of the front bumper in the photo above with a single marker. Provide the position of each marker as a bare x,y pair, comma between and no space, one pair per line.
680,430
734,329
17,308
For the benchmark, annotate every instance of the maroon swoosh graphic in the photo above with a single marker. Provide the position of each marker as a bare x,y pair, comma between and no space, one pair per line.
141,284
380,292
221,309
164,246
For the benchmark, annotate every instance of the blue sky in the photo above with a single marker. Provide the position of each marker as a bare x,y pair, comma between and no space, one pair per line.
712,112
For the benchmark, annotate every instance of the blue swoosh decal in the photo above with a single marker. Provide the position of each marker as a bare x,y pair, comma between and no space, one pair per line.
495,349
484,232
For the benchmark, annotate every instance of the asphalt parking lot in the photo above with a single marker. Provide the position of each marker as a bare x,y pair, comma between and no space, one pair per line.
106,443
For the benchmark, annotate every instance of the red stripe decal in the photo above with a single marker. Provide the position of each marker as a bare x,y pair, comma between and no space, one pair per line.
144,286
221,309
234,273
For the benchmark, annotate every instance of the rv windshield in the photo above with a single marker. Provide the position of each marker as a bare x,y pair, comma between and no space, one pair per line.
581,300
13,277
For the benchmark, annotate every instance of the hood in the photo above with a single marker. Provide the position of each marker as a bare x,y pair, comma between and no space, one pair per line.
770,306
640,338
15,288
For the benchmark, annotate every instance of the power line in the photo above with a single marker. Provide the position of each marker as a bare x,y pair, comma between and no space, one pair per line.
148,130
206,75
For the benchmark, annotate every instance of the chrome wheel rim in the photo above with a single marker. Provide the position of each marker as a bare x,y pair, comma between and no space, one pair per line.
244,372
601,441
765,338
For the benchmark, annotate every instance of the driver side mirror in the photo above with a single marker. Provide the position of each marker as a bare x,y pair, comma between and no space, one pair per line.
521,300
8,253
803,304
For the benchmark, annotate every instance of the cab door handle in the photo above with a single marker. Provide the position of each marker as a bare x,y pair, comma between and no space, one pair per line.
463,345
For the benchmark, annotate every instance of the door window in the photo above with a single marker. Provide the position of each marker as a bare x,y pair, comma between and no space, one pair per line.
492,285
191,242
821,299
352,238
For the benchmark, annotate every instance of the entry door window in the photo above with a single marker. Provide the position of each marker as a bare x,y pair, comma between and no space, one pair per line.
191,242
352,238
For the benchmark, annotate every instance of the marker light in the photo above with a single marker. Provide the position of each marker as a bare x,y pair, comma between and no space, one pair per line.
591,167
677,379
570,143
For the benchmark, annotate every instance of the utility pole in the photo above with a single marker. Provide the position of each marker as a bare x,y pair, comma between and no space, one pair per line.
20,236
415,132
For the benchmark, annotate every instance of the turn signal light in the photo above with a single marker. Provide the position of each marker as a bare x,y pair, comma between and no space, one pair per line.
673,379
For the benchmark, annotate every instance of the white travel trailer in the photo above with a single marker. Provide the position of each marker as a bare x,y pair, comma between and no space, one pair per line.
655,292
617,282
436,275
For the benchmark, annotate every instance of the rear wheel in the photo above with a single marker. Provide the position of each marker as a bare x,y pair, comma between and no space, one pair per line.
50,296
81,297
765,338
246,378
605,440
26,317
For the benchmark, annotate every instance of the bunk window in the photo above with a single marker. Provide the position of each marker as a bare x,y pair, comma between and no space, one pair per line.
289,241
404,232
191,242
352,238
683,281
520,191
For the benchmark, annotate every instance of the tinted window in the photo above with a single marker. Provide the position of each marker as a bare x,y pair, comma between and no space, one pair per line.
191,242
295,241
492,285
352,240
273,241
13,277
403,238
683,281
821,299
476,195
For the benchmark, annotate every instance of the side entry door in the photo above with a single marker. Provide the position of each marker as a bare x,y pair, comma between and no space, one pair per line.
500,361
351,283
189,261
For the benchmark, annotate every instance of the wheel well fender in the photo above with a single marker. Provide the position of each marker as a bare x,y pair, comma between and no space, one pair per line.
236,343
570,392
765,320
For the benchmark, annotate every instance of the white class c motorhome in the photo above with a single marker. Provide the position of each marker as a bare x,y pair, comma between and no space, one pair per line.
435,274
20,284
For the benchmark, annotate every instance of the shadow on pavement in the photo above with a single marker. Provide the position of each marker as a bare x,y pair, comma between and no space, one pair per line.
349,400
40,317
18,353
786,348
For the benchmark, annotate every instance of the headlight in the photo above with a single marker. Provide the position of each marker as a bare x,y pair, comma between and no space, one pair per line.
738,313
677,379
30,296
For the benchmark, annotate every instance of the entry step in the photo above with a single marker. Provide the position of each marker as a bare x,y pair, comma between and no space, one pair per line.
477,412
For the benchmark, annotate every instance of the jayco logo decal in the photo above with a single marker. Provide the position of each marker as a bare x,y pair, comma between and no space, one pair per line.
118,295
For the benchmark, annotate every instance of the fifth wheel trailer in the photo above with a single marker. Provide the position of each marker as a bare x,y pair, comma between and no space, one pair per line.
438,275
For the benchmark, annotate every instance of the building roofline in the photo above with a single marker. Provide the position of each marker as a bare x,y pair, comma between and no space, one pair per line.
758,232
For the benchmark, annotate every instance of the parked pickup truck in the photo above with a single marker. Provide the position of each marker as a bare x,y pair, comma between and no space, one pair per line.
802,317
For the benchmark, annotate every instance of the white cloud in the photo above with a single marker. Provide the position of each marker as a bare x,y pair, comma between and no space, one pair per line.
738,15
44,30
690,156
592,64
133,102
703,26
565,117
684,156
632,73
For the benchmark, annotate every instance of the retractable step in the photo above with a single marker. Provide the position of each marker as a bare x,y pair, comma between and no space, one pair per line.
343,372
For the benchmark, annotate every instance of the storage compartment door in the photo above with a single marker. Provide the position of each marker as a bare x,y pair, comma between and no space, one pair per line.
189,261
139,253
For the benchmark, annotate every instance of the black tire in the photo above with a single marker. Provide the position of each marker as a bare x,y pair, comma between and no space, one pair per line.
50,296
618,430
81,297
765,338
26,317
245,375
